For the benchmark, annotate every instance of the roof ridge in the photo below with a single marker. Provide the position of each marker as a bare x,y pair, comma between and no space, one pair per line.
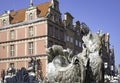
19,15
28,7
42,3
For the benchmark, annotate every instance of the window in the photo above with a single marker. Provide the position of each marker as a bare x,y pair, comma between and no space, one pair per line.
12,34
12,65
76,42
52,17
70,24
56,33
61,35
30,31
55,18
56,43
60,20
80,44
71,39
30,48
68,38
105,65
11,50
30,16
4,22
50,43
78,33
51,30
55,6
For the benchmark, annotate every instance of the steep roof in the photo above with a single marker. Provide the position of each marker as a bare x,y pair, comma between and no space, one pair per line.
19,15
43,8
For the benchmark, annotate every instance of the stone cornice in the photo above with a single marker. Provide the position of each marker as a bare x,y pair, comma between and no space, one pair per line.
21,57
29,38
23,23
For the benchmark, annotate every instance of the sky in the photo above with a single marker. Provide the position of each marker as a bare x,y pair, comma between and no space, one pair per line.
97,14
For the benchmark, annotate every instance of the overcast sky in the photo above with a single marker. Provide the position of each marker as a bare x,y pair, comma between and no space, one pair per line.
97,14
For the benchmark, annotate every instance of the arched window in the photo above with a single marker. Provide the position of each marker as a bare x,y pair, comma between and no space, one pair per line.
30,16
4,22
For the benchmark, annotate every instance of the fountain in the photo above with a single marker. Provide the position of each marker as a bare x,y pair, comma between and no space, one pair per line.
65,67
85,67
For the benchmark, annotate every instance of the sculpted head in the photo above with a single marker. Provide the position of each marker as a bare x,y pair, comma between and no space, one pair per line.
92,41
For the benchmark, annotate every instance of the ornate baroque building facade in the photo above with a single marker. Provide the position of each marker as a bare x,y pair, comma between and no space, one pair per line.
108,55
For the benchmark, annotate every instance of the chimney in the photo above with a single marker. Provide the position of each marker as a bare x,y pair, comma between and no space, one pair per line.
67,16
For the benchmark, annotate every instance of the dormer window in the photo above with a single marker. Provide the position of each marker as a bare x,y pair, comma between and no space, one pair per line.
30,16
4,22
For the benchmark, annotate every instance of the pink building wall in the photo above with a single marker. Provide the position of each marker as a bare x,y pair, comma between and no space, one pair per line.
3,36
20,33
21,49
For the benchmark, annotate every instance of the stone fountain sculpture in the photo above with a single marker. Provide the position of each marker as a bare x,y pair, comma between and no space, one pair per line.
85,67
66,68
32,67
63,74
93,45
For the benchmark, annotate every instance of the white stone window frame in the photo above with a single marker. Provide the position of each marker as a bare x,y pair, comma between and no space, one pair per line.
31,31
76,42
12,33
68,38
80,44
4,22
30,48
71,39
30,16
12,48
